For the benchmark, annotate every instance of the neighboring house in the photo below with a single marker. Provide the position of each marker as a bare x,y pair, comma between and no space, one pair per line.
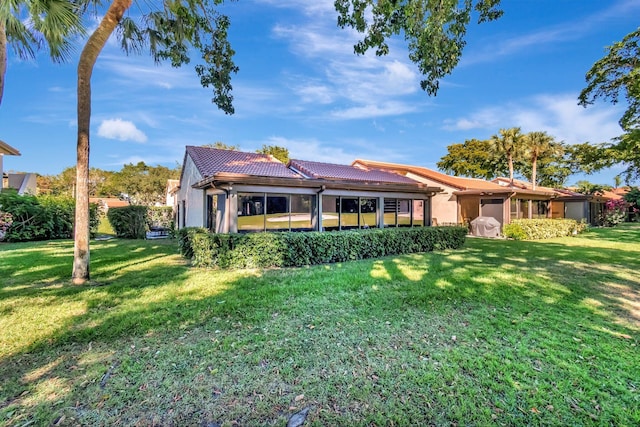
172,189
13,180
105,203
465,199
233,191
584,207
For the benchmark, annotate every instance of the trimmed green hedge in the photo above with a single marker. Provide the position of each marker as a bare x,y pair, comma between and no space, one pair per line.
129,222
41,217
536,229
295,249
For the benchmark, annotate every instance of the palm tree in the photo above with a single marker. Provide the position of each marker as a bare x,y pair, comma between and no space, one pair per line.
169,32
538,144
27,25
617,181
510,144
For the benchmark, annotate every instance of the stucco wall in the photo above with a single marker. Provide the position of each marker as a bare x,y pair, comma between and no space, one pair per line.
193,198
444,206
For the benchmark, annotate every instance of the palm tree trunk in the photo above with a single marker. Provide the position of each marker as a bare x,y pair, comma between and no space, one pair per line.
534,172
510,158
3,57
88,58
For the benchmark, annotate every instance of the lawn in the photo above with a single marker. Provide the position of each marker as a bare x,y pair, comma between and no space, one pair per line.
499,332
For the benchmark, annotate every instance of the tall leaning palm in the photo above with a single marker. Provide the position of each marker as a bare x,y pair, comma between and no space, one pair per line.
538,144
28,25
169,29
510,143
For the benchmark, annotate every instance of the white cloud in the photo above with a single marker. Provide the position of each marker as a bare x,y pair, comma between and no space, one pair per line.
559,115
373,110
369,85
121,130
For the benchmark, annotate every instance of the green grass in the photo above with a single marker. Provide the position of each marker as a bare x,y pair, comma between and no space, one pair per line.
499,332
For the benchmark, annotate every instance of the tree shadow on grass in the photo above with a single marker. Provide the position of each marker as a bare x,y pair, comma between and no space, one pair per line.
150,292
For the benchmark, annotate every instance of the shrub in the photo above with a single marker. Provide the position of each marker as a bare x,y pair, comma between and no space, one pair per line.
535,229
129,222
291,249
160,216
41,217
615,212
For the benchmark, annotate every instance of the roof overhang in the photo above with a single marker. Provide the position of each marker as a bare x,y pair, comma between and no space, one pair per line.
8,150
225,179
508,191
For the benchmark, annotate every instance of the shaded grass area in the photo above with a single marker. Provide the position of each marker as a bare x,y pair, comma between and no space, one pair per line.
500,332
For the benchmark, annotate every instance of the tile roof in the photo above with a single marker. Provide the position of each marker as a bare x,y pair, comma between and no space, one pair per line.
453,181
211,161
523,185
332,171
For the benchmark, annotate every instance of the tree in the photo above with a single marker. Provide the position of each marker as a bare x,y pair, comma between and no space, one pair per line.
617,180
222,146
632,197
434,30
473,158
26,25
477,159
169,32
586,187
280,153
615,76
144,185
509,143
538,144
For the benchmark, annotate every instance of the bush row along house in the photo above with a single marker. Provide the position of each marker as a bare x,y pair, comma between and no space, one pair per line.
232,191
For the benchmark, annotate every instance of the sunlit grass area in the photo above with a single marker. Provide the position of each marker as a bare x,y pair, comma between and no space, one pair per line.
499,332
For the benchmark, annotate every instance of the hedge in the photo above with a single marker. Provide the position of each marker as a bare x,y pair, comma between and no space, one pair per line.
295,249
40,217
129,222
536,229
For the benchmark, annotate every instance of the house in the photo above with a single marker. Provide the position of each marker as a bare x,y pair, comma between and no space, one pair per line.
5,150
105,203
584,207
234,191
465,199
172,189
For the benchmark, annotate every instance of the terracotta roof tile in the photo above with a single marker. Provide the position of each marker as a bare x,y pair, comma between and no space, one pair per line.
347,172
523,185
453,181
211,161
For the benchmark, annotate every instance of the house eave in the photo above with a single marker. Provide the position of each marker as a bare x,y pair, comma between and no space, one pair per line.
505,191
225,179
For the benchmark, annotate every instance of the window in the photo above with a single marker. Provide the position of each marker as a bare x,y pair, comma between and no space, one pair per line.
251,212
302,206
212,207
368,212
348,213
540,208
514,208
405,212
390,212
524,209
330,213
275,212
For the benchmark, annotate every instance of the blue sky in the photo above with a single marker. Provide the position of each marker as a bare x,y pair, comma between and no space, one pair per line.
301,86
